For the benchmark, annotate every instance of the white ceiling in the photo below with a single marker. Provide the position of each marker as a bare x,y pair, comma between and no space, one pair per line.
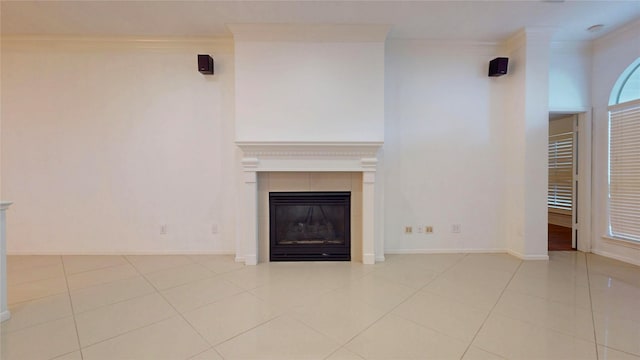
478,20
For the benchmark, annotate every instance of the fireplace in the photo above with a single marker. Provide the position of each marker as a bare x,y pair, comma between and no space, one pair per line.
310,226
320,159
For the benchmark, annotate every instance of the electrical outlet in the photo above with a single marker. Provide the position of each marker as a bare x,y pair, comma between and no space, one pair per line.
408,230
163,229
455,228
214,228
428,229
420,229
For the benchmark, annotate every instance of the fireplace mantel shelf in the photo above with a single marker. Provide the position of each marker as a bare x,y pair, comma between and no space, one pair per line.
261,148
309,156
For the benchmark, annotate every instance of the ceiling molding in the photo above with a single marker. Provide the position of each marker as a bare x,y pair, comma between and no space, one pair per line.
605,39
137,42
309,32
136,39
474,20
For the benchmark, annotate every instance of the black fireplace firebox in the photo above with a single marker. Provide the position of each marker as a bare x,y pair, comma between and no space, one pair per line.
310,226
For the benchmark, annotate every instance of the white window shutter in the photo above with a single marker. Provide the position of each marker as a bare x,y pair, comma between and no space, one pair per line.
624,170
560,194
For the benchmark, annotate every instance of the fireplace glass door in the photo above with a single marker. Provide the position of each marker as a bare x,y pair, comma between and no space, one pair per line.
310,226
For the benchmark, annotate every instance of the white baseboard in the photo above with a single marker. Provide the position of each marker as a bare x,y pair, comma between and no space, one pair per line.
616,257
5,315
190,252
251,260
443,251
466,251
368,259
527,257
379,258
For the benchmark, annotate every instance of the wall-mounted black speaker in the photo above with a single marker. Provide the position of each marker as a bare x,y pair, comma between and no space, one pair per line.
205,64
498,66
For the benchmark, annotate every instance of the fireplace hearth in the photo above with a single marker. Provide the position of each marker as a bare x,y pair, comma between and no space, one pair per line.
307,226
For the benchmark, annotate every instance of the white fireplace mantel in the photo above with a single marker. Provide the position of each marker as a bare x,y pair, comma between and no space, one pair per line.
309,156
305,157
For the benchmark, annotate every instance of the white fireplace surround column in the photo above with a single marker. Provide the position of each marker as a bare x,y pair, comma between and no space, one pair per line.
306,157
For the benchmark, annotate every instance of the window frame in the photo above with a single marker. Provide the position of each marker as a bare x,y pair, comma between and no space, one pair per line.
634,69
614,106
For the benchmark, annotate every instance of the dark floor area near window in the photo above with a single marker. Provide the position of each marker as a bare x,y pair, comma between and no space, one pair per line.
559,238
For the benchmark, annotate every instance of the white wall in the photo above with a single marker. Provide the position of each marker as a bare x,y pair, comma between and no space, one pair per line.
103,141
514,127
128,136
612,54
526,155
309,90
443,151
570,76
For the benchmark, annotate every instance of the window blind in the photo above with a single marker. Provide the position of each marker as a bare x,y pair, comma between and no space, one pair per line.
624,170
560,194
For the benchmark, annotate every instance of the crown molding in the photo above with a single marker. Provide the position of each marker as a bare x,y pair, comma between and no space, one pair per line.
309,32
610,37
117,42
528,35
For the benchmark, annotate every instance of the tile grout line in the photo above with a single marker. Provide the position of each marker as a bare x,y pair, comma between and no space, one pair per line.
285,313
593,319
172,267
124,333
439,331
403,301
203,305
138,274
174,308
32,281
98,268
252,328
33,266
491,311
36,299
176,286
411,295
67,291
204,351
116,302
138,328
335,351
73,313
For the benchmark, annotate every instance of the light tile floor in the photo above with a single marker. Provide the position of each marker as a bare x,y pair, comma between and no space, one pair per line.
449,306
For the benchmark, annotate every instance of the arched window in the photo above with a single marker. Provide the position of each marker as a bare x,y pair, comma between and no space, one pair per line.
624,156
630,87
